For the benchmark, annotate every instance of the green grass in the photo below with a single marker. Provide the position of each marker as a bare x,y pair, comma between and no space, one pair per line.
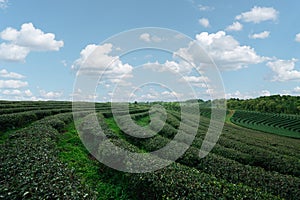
229,116
73,152
144,121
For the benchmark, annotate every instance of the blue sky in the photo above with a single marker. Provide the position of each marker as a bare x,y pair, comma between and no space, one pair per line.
43,43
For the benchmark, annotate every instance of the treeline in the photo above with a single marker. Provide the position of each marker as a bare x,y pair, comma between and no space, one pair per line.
273,104
283,104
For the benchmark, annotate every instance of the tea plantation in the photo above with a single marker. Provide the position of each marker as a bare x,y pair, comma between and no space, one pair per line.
42,156
281,124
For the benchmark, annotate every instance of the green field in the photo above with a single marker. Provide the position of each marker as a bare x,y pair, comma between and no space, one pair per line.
42,156
281,124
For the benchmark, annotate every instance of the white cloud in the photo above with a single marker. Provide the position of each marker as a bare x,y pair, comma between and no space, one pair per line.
50,95
9,34
3,4
12,84
262,35
64,63
204,22
248,95
12,92
296,89
81,96
87,51
15,92
258,14
146,37
12,52
238,94
155,38
297,38
154,95
95,60
181,67
170,95
205,8
265,93
28,93
5,74
198,81
19,95
284,70
21,42
236,26
225,51
32,38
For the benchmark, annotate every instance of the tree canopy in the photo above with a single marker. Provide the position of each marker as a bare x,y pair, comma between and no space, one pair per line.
274,104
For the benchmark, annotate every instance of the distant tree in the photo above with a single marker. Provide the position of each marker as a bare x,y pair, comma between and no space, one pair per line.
274,104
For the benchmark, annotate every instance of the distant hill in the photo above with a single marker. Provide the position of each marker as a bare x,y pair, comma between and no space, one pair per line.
273,104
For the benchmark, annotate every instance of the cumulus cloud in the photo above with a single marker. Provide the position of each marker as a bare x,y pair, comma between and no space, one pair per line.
284,70
12,52
146,37
19,43
14,84
95,60
258,14
204,22
262,35
5,74
225,51
181,67
3,4
236,26
196,79
297,38
31,37
50,95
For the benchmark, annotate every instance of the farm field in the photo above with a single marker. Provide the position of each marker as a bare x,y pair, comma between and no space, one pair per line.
281,124
42,156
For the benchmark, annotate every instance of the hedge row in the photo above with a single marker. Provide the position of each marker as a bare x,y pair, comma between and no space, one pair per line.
286,186
271,123
182,182
30,168
243,153
17,120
